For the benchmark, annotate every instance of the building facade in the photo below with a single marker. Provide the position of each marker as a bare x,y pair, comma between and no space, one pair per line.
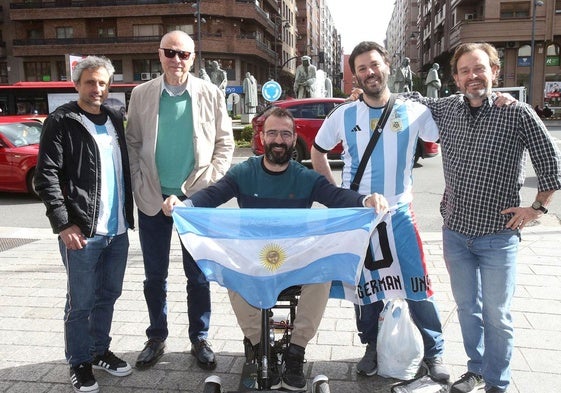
257,36
527,35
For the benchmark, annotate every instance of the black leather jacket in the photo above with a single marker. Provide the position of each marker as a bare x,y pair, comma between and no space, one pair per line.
68,173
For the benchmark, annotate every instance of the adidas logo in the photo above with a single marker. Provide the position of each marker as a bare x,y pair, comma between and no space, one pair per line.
356,128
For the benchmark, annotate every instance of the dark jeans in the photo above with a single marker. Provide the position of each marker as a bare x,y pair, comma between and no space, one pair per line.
424,314
95,281
155,237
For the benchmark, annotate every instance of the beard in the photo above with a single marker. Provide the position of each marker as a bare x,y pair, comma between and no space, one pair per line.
376,91
278,158
477,94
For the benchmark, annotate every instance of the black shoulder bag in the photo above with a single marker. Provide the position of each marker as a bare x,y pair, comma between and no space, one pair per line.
369,261
372,143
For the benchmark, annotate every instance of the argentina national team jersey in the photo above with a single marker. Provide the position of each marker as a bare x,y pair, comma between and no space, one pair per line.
390,167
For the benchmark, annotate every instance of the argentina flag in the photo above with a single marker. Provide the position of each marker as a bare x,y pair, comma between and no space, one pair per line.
260,252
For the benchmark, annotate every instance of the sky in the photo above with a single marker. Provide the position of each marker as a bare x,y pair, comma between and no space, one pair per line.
360,20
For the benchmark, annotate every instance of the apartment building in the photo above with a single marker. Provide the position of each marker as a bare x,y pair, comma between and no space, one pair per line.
527,35
256,36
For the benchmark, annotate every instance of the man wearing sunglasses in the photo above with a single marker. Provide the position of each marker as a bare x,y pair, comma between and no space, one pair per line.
180,141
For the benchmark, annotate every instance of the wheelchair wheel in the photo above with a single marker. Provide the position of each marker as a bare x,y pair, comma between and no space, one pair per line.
213,385
320,384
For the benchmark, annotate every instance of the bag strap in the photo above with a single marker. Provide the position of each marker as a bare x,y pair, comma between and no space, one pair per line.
372,143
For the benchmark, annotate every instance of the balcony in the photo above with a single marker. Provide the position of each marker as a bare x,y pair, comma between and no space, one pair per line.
88,3
211,43
96,9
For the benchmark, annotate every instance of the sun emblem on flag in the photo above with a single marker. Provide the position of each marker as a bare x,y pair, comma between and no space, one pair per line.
272,256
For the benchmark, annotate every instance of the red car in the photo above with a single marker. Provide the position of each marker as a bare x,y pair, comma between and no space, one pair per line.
19,147
308,117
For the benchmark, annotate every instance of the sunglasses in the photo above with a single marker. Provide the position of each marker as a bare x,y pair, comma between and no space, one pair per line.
170,54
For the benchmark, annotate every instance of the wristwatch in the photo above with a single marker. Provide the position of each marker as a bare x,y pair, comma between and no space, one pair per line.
537,205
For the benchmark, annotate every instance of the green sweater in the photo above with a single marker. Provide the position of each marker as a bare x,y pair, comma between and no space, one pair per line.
175,157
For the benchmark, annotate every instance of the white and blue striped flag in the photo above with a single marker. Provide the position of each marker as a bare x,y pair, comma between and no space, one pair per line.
260,252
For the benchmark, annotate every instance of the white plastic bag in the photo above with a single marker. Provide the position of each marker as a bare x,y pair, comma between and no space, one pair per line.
400,344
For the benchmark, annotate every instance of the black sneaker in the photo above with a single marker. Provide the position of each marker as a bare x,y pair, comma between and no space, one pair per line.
368,365
112,364
468,383
293,376
82,379
437,369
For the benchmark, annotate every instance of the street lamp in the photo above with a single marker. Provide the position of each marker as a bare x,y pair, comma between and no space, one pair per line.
200,20
285,23
536,3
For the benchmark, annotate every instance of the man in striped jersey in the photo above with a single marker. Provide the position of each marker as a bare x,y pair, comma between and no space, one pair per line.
388,172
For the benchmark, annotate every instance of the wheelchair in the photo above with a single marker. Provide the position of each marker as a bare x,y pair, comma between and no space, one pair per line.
275,338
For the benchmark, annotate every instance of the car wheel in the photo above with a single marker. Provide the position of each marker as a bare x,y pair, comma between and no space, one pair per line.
30,184
299,152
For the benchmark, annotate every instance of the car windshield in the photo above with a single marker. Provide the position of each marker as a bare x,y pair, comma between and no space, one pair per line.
22,134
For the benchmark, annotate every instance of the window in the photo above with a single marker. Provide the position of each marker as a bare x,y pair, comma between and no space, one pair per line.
515,10
524,56
61,71
189,29
144,67
525,51
64,32
558,6
147,30
37,71
3,73
103,32
34,34
552,55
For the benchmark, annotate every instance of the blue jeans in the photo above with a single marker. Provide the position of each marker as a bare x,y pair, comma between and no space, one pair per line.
95,281
424,314
483,278
155,238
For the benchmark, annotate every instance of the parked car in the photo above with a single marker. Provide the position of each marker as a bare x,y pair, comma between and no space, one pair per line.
308,117
19,147
426,149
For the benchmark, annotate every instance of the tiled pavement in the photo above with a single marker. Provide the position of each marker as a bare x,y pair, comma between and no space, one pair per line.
32,290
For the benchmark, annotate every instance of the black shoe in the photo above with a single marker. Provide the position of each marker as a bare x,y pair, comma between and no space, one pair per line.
112,364
468,383
82,378
152,352
293,376
437,369
205,357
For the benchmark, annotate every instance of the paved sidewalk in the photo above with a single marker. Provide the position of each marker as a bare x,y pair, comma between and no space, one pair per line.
32,290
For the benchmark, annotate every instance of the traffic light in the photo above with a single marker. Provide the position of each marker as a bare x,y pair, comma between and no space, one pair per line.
322,57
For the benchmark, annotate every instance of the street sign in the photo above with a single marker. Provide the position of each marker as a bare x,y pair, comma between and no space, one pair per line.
271,91
234,89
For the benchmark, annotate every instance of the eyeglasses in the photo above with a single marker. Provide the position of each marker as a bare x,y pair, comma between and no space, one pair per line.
285,134
170,54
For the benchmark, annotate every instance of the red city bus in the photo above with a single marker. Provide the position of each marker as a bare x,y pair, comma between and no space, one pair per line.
38,99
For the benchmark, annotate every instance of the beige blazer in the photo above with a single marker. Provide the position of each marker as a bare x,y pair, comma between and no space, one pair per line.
213,140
